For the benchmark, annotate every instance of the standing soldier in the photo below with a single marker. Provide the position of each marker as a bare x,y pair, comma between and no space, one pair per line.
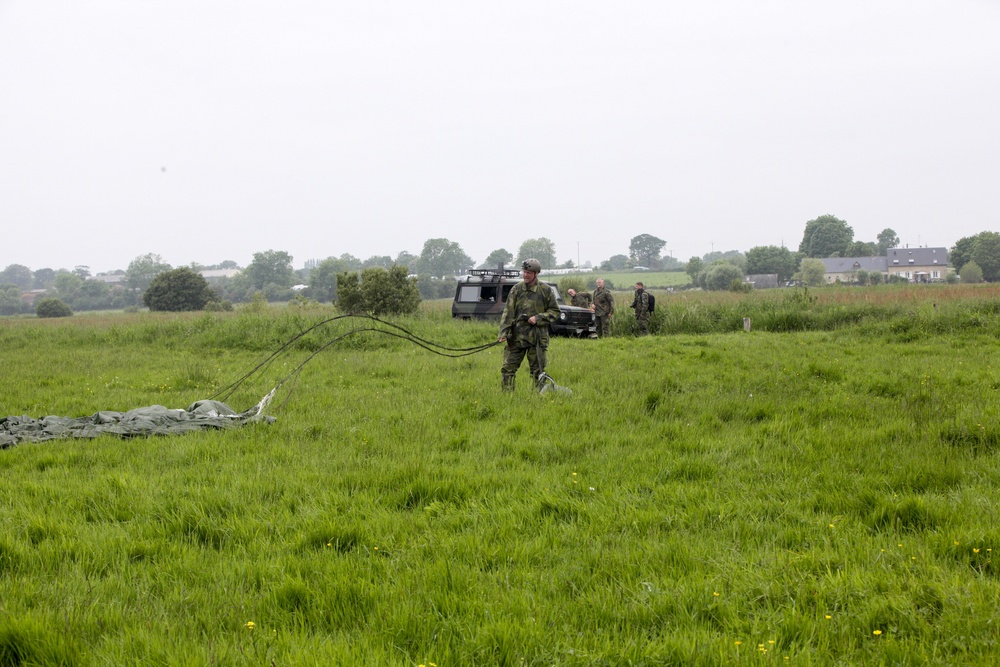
641,306
579,299
530,307
604,309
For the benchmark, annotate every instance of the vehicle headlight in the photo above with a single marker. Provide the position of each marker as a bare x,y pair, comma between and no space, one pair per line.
562,315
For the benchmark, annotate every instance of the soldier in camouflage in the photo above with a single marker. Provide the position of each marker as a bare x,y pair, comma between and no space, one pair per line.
604,309
641,306
530,307
579,299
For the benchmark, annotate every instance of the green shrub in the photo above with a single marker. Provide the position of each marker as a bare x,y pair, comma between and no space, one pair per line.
378,291
178,290
52,307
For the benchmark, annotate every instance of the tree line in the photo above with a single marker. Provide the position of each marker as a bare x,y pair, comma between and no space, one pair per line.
272,275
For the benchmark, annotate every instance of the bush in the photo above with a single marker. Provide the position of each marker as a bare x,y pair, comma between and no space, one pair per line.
378,291
215,305
178,290
52,307
971,273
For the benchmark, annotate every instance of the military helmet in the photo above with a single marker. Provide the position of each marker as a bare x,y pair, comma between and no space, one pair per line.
532,265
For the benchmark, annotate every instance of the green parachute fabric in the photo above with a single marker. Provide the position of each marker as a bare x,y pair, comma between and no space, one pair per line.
152,420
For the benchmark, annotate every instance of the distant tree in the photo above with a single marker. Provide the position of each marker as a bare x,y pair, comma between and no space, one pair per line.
961,253
862,249
694,268
669,263
826,236
886,239
92,295
441,257
66,285
377,261
734,257
143,269
52,307
227,264
349,262
568,264
812,272
496,258
435,288
44,278
82,271
407,259
323,280
971,273
986,254
772,259
644,250
271,267
178,290
541,249
861,277
17,274
10,299
615,263
719,275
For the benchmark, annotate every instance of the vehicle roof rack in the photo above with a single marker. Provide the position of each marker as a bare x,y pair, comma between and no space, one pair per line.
495,273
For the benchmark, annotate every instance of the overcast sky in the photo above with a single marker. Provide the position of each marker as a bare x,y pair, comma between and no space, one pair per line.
206,130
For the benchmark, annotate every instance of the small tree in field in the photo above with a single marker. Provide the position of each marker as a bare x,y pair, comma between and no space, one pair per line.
971,273
178,290
812,272
378,291
52,307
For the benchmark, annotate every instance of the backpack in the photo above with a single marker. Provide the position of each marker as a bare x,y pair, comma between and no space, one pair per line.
652,301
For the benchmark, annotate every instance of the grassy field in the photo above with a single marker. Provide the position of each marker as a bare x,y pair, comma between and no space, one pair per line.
651,279
825,495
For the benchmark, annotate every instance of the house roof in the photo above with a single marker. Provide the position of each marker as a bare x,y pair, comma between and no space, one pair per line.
849,264
917,257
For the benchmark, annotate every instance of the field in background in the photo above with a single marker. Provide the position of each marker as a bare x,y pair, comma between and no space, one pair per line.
626,279
825,496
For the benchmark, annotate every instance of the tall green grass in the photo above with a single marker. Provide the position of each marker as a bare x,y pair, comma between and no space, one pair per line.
828,497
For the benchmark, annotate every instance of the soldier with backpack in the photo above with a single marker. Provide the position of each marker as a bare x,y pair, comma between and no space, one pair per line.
642,304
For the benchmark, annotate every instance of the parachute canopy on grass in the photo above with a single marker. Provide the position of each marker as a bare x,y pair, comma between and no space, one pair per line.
152,420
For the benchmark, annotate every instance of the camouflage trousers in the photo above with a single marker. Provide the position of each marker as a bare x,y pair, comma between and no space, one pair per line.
643,322
603,326
512,358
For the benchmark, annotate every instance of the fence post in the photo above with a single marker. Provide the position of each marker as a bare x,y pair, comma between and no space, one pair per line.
746,324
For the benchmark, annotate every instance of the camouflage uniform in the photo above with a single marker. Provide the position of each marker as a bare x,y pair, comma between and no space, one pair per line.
641,306
524,338
581,300
604,308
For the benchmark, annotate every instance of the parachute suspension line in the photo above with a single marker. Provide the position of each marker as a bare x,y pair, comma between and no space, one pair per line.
226,392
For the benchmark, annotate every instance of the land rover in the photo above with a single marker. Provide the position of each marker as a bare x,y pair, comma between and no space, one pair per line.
483,293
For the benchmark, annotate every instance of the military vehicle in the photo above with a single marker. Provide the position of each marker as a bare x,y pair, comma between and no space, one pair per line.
482,295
